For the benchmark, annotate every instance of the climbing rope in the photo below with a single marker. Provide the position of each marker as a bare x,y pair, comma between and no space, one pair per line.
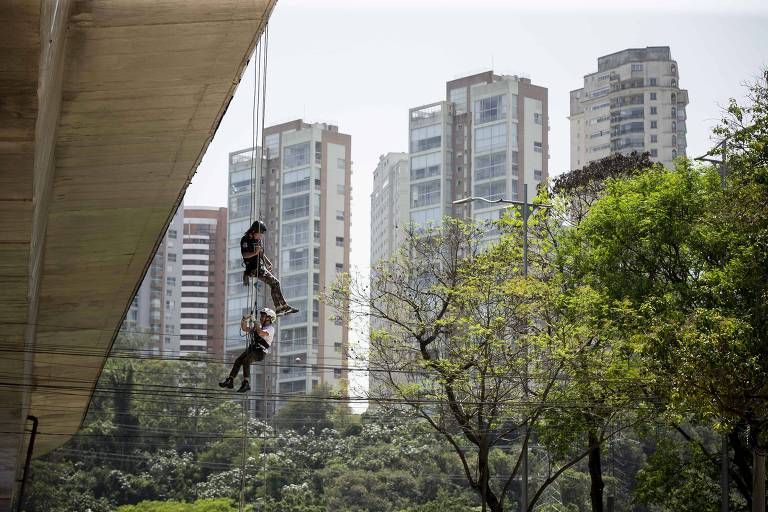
257,128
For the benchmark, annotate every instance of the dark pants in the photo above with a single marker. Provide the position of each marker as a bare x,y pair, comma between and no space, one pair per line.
269,278
252,354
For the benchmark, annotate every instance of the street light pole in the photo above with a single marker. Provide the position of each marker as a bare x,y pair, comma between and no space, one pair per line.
526,211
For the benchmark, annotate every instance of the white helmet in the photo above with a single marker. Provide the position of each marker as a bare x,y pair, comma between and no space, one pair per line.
270,313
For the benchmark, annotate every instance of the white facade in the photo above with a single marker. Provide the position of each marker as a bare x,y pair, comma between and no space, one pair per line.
632,103
156,305
389,205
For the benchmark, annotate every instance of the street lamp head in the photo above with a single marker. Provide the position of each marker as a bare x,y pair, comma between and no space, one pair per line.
464,200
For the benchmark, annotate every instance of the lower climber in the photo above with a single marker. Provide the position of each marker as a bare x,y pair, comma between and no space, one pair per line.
258,265
260,335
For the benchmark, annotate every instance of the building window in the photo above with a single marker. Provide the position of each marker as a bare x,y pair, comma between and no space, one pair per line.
653,82
294,286
425,194
674,153
341,163
340,215
654,111
336,373
491,190
654,152
295,207
426,217
294,260
674,126
339,268
171,257
674,140
340,189
537,147
537,118
492,137
537,174
170,281
296,155
426,137
637,67
653,124
674,112
491,109
491,165
674,83
339,241
296,233
318,153
653,96
425,166
296,181
272,144
654,139
459,99
172,234
673,97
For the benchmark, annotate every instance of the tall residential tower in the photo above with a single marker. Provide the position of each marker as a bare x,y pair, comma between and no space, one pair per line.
632,103
303,196
488,139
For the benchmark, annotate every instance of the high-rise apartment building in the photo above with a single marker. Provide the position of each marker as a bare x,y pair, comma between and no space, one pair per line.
203,286
156,305
488,138
632,103
389,205
303,192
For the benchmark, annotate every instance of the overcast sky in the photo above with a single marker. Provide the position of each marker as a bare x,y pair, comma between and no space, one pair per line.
361,64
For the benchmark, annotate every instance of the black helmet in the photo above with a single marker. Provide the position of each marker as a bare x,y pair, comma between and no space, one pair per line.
258,227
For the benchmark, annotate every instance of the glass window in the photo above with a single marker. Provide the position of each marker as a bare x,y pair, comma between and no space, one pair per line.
340,241
296,318
491,109
296,181
171,257
294,286
293,339
653,95
296,155
653,82
425,194
492,190
459,99
654,138
296,233
425,166
237,229
654,152
426,217
654,110
239,206
172,234
341,163
295,207
294,260
537,118
272,145
237,307
427,137
637,67
491,137
654,124
491,165
340,215
537,147
318,153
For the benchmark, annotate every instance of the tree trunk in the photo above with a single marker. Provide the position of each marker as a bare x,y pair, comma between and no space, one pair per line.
486,494
758,482
595,474
742,460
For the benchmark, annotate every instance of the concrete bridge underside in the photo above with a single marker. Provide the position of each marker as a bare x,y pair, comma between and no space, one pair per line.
106,108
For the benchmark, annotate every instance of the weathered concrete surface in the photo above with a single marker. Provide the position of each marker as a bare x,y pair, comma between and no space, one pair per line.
106,108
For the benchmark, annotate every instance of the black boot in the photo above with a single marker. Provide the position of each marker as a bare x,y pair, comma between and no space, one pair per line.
244,387
286,310
228,383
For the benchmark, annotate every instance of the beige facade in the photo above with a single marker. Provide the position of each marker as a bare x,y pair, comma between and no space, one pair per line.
632,103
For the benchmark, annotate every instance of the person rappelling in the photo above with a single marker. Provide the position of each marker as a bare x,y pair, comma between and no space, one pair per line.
258,265
260,335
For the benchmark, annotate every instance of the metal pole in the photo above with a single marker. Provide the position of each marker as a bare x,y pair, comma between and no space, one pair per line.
524,489
724,477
